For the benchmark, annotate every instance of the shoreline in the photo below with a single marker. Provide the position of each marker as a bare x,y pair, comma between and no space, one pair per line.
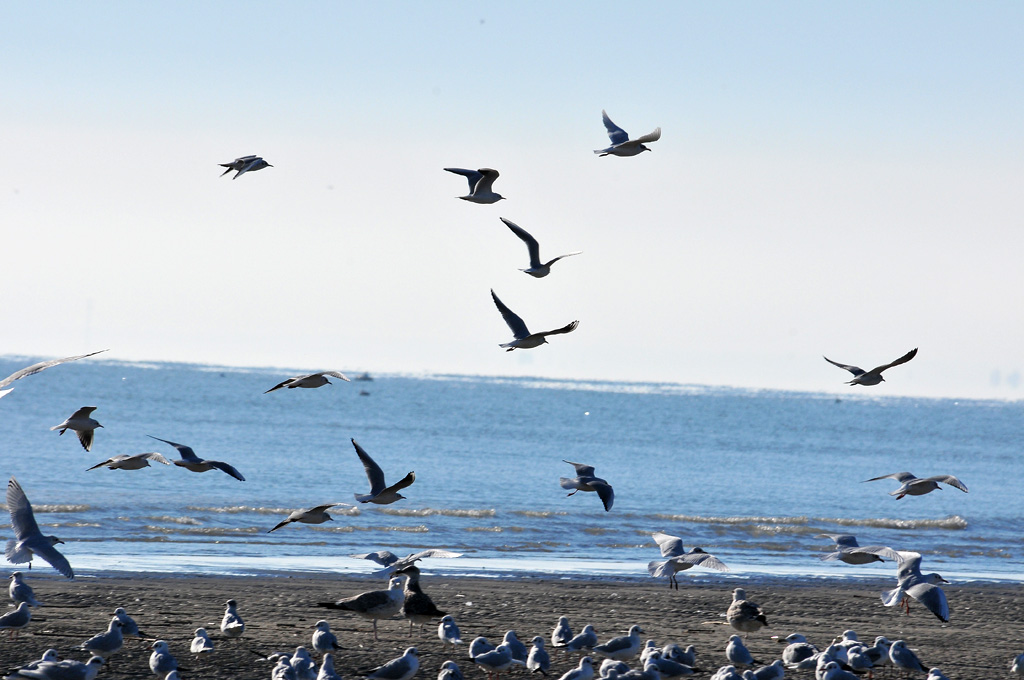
983,635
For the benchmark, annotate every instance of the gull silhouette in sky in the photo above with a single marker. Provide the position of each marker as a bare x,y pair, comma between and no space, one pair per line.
622,145
918,486
537,268
524,339
243,165
380,492
190,461
28,539
586,480
480,182
874,376
83,425
309,380
35,368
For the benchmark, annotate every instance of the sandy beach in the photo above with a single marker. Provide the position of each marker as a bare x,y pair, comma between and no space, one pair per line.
984,633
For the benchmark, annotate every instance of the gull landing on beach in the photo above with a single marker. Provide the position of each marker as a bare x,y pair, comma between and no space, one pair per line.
874,376
919,486
243,165
537,268
622,145
28,540
480,182
35,368
524,339
911,583
380,493
585,480
311,380
678,559
190,461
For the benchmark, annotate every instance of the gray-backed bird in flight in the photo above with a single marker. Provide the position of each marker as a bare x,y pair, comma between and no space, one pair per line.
874,376
524,339
537,268
622,145
243,165
480,182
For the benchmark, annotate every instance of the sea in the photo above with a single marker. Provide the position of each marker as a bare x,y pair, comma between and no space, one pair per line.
752,476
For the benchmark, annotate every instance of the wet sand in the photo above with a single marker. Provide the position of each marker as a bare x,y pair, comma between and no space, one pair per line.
985,632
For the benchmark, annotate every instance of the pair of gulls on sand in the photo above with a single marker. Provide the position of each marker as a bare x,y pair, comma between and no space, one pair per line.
383,604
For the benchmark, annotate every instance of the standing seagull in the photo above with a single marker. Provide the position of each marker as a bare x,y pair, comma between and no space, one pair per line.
402,668
538,660
448,632
537,268
585,480
83,425
201,643
744,615
16,619
35,368
310,380
22,592
524,339
135,461
161,661
910,582
232,624
317,515
562,632
480,182
678,559
380,493
190,461
374,604
874,376
417,605
243,165
622,145
108,642
918,486
28,539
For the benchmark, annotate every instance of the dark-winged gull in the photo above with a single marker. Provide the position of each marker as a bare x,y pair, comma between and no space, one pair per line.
317,515
918,486
523,338
161,662
62,670
309,380
21,591
108,642
480,183
537,660
448,632
35,368
623,647
537,268
190,461
232,625
417,605
744,615
622,145
28,539
243,165
135,461
380,492
201,642
911,583
874,376
82,424
402,668
16,619
678,559
586,480
324,640
374,604
849,551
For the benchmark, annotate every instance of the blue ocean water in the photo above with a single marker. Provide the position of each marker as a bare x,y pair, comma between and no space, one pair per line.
751,476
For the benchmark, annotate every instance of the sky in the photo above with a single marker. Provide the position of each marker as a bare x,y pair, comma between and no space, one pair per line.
838,179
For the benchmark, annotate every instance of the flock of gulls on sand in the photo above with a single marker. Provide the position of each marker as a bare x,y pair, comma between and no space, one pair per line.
845,658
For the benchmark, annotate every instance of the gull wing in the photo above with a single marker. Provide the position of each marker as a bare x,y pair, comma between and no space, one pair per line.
185,452
43,548
336,374
113,459
582,469
23,521
650,137
531,243
403,483
472,175
516,324
85,437
880,550
382,557
569,328
907,564
699,558
671,546
604,492
280,524
42,365
902,360
845,540
250,162
947,479
932,597
224,467
554,260
373,472
279,385
155,457
615,133
901,477
486,181
852,369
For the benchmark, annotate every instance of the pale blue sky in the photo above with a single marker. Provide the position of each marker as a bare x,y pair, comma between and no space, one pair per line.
839,179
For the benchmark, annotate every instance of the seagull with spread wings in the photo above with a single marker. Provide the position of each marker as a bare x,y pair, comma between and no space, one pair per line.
480,183
310,380
918,486
83,424
586,480
524,339
35,368
622,145
874,376
537,268
317,515
243,165
380,492
190,461
678,559
28,540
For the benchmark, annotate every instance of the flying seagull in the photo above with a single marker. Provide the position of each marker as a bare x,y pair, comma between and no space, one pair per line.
190,461
28,539
678,559
622,145
848,550
35,368
131,462
310,380
918,486
244,164
874,376
317,515
380,492
524,339
392,562
480,182
585,480
83,425
537,268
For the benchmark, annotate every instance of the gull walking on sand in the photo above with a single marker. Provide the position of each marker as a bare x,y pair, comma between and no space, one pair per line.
849,551
537,268
243,165
310,380
874,376
232,625
586,480
201,643
678,559
911,583
918,486
480,183
135,461
108,642
744,615
82,424
538,660
380,493
327,671
374,604
323,639
190,461
622,145
317,515
562,632
402,668
448,632
14,620
35,368
28,540
62,670
21,591
161,662
523,338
